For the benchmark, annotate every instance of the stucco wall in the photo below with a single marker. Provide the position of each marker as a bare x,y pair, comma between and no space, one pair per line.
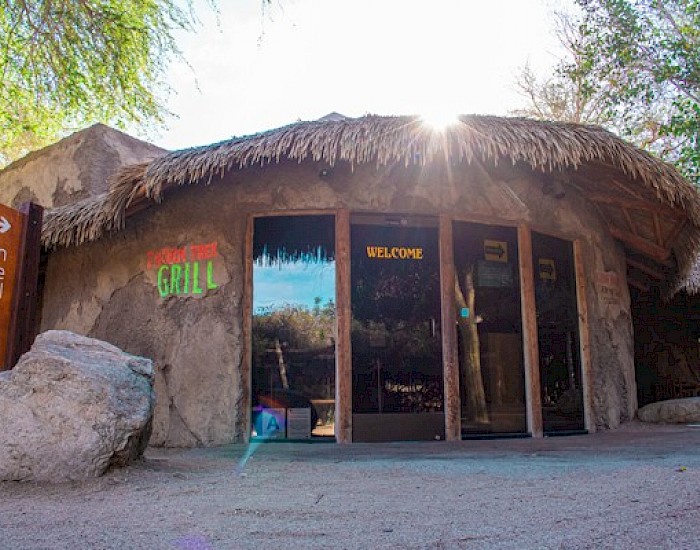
106,290
72,169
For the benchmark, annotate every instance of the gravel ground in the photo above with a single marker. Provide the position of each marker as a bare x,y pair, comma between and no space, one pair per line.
635,487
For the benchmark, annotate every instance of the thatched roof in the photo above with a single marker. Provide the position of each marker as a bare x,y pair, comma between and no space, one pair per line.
691,283
581,153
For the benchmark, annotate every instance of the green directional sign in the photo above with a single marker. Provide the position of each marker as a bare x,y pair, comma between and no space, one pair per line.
496,251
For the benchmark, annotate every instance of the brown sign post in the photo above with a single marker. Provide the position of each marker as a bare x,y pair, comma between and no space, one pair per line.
20,247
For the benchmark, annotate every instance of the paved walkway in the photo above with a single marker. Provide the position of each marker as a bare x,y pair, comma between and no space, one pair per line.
636,487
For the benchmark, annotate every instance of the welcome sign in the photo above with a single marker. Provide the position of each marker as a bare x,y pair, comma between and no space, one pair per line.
395,252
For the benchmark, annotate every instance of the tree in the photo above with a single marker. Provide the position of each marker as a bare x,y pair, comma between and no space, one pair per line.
67,63
638,61
646,56
567,95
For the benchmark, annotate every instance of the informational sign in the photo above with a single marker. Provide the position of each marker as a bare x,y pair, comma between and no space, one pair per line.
608,283
188,270
494,274
273,423
547,269
299,423
11,230
496,251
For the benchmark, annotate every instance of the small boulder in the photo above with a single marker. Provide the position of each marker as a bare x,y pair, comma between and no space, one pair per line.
72,408
673,411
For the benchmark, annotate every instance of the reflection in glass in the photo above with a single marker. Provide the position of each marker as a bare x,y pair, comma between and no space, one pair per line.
487,300
293,338
558,336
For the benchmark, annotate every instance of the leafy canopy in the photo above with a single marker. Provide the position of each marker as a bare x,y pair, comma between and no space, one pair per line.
643,56
68,63
632,66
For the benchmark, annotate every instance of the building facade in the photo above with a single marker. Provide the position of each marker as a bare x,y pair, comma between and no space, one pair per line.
373,280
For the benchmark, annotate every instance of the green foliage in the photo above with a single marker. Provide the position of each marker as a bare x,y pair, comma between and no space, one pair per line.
295,326
642,57
68,63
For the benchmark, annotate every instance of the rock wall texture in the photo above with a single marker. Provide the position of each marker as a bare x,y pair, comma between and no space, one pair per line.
109,289
72,408
72,169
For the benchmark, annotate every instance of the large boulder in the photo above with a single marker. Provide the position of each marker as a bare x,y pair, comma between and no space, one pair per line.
72,408
673,411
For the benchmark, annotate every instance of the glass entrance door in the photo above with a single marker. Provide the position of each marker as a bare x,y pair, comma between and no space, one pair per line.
489,334
293,328
397,391
558,335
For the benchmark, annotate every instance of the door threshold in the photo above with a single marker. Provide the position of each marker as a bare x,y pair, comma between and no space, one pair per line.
565,433
505,435
314,440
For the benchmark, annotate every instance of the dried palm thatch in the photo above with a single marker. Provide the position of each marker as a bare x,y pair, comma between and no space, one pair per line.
544,146
691,283
91,218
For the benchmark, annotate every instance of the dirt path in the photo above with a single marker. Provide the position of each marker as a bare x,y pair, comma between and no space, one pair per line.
637,487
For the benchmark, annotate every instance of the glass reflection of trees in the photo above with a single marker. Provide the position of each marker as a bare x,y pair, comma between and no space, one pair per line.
293,324
487,303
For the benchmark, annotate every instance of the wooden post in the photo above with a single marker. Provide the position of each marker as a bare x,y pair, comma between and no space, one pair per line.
343,356
450,361
244,415
24,319
533,396
584,337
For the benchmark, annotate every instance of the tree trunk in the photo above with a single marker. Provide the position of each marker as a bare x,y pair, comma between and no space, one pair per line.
280,364
469,355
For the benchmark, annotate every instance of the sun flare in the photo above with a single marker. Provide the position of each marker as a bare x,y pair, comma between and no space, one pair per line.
439,119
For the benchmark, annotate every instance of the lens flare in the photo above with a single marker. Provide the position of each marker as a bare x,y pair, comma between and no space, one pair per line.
439,119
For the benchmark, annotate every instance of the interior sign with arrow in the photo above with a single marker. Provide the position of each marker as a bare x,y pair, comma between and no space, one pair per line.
496,251
547,269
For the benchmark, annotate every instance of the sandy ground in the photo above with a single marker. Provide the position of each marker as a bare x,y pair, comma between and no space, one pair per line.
636,487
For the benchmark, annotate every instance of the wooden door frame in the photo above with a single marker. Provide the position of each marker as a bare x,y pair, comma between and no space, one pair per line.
584,336
531,353
243,423
452,404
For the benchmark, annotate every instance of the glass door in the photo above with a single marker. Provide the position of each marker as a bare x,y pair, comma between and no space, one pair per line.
397,391
489,333
558,336
293,330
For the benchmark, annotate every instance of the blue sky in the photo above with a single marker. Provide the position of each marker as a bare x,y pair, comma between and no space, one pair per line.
293,283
